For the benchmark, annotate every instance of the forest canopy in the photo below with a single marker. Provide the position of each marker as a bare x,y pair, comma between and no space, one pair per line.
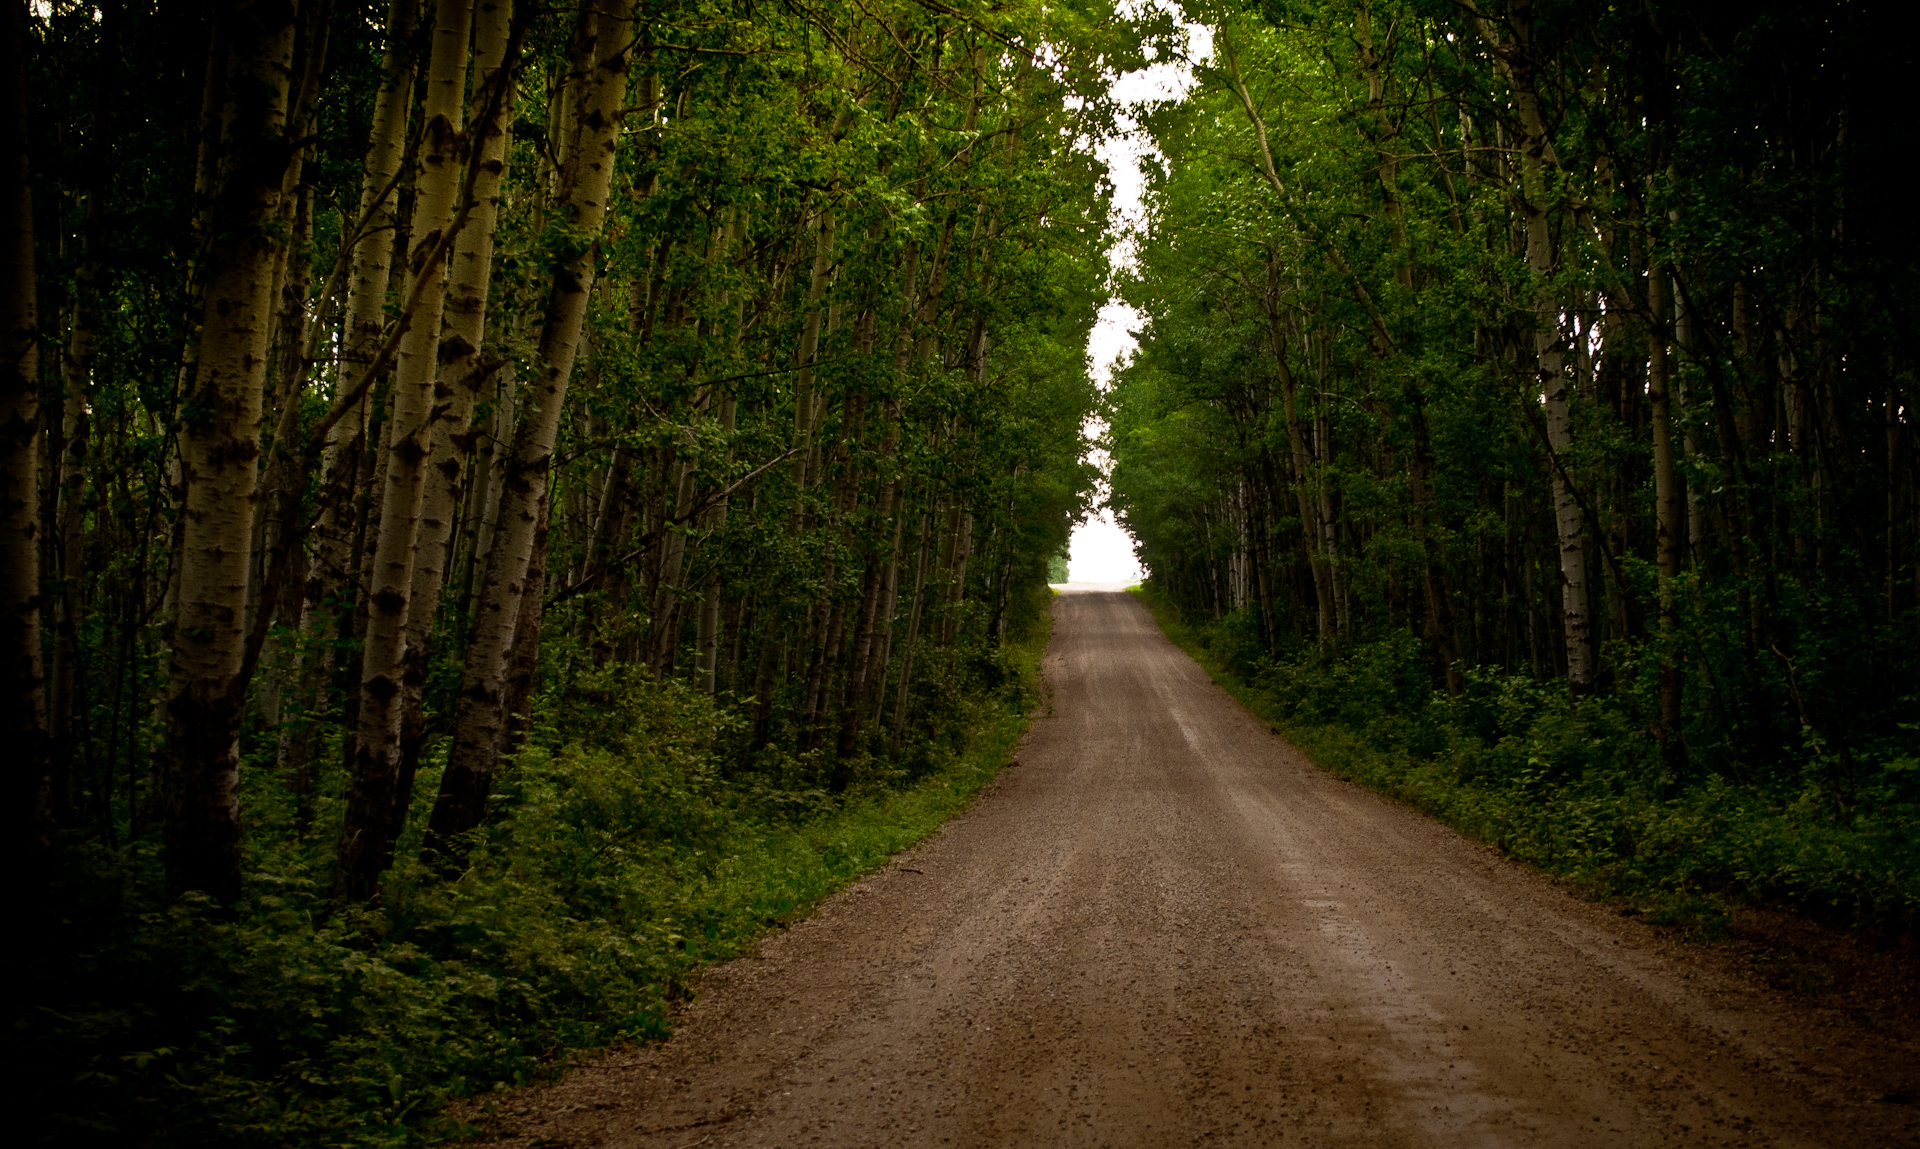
484,453
1527,389
371,352
504,502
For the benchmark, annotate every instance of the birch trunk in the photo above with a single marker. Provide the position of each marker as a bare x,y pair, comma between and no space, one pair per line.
1515,58
277,520
333,567
23,719
219,446
860,668
373,249
373,780
523,655
883,633
599,77
803,404
490,470
462,373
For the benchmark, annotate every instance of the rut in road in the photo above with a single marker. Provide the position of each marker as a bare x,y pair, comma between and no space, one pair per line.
1167,927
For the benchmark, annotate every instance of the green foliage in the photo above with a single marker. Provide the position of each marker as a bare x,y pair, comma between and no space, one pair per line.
621,860
796,530
1337,445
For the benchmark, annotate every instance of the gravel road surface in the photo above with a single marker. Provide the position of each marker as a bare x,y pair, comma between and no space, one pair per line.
1165,926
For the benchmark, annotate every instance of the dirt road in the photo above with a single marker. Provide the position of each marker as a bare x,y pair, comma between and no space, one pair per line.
1166,927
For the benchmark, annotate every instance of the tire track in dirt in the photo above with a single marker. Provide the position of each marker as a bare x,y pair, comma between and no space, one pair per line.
1166,927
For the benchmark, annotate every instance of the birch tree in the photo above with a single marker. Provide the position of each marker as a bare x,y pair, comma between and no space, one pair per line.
596,87
219,446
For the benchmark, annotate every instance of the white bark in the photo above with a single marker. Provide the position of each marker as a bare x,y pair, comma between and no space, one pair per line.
600,80
461,372
219,446
23,716
407,441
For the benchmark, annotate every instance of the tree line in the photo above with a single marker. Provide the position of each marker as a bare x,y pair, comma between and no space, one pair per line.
370,369
1564,340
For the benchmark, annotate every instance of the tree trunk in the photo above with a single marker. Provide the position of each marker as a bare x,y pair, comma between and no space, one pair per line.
707,647
1517,63
489,473
664,617
373,778
523,657
859,665
219,445
23,718
334,564
1302,463
1670,517
913,625
272,594
462,373
803,401
599,81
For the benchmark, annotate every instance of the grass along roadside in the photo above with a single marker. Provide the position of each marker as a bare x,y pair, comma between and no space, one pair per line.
1824,905
777,874
633,846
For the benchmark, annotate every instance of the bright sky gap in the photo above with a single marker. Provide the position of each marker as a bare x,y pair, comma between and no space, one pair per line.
1101,550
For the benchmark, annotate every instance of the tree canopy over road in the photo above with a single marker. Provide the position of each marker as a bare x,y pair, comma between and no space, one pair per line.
503,502
363,355
1496,345
398,393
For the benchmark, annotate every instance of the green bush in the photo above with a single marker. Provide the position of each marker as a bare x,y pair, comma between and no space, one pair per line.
621,858
1578,789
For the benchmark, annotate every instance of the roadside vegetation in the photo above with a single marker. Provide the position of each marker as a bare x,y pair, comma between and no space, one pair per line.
1578,790
502,503
628,850
1524,417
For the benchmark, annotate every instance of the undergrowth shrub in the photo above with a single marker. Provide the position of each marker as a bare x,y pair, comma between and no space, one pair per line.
628,847
1579,789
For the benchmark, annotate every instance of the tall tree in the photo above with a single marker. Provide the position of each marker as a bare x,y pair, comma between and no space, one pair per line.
25,719
219,446
596,90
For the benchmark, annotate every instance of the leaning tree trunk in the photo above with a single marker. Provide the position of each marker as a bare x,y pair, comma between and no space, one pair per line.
462,373
599,78
219,446
371,268
23,718
373,777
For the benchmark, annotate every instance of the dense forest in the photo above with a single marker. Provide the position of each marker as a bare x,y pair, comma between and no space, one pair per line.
505,502
1526,388
479,479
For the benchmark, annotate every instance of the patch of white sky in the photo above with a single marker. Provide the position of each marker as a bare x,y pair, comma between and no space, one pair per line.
1101,550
